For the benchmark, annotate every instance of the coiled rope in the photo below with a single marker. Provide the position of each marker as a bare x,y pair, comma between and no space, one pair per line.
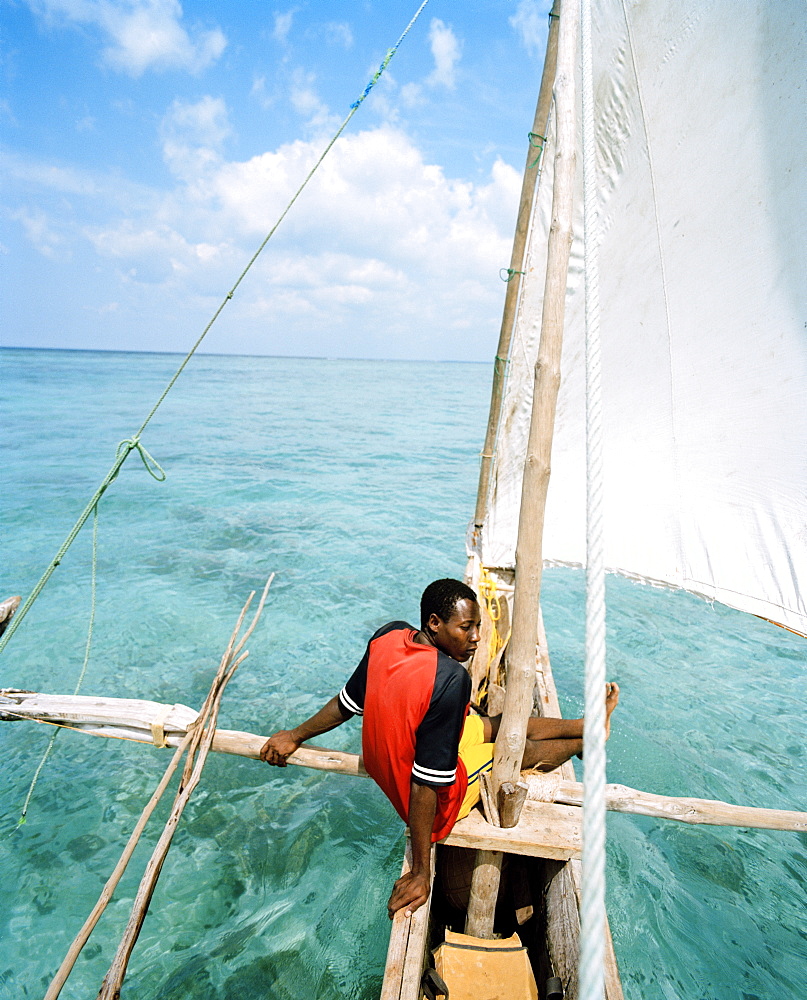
592,917
133,443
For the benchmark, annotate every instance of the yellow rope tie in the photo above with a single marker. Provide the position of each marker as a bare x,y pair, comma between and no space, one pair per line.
158,726
75,729
490,595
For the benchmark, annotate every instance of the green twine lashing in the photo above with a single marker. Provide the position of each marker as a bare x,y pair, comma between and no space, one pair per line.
376,77
508,273
532,136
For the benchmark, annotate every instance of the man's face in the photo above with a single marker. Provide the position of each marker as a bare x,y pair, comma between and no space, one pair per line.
459,636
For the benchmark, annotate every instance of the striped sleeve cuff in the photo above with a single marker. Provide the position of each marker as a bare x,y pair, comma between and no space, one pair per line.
348,703
428,775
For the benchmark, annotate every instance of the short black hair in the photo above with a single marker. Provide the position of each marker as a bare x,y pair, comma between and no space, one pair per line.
442,597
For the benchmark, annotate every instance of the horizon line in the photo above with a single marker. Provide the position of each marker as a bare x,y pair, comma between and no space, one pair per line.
221,354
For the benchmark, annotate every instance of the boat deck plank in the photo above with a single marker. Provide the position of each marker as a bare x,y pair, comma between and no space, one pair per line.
545,830
407,944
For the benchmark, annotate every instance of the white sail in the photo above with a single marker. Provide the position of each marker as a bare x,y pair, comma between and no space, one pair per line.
701,154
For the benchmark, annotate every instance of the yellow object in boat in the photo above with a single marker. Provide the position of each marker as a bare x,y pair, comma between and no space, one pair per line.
483,969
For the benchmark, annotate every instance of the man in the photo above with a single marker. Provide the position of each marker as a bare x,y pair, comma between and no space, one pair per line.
418,742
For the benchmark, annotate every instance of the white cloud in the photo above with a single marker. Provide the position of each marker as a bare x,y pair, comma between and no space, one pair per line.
400,247
154,254
259,93
193,135
446,51
306,101
103,188
283,24
339,34
141,34
203,123
411,95
382,255
40,231
531,23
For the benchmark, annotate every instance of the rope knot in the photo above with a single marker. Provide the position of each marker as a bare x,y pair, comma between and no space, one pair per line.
507,274
539,145
153,467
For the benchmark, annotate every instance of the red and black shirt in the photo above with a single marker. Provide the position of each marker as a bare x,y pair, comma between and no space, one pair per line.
413,700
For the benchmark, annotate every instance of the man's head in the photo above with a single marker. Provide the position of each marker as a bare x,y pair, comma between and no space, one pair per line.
449,616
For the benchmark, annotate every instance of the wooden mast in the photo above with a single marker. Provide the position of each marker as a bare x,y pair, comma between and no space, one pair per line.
531,174
529,552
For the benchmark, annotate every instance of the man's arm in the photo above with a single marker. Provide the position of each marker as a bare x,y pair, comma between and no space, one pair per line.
412,890
280,746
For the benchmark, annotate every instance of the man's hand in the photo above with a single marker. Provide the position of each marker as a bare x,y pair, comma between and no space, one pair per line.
283,744
410,891
278,747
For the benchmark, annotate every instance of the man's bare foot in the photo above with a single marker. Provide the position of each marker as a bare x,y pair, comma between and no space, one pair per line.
611,701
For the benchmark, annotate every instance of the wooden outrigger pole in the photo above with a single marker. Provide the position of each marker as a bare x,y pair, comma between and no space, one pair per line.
166,726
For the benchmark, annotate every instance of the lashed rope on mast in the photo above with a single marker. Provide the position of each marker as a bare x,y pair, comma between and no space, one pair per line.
592,917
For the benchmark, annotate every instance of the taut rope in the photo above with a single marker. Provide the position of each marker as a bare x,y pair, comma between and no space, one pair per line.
133,443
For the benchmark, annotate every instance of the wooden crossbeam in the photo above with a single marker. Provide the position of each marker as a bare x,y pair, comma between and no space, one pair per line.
135,719
545,830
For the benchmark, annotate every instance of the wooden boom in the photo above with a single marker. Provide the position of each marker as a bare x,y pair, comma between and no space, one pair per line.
133,719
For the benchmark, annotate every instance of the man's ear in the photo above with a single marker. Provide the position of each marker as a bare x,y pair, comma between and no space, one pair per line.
435,621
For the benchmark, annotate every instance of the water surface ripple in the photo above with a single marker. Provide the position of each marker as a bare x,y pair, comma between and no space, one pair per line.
353,481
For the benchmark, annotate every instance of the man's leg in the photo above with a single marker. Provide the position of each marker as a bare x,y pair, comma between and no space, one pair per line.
546,755
551,742
477,756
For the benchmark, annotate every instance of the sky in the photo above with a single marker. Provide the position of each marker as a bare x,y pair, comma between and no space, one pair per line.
148,146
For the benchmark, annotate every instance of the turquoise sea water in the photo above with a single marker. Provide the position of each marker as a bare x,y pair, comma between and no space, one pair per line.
353,482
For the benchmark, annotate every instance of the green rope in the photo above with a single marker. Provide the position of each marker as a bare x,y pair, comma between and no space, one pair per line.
532,136
93,592
134,442
122,453
507,274
153,467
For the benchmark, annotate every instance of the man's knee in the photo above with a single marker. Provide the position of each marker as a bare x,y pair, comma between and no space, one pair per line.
490,725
